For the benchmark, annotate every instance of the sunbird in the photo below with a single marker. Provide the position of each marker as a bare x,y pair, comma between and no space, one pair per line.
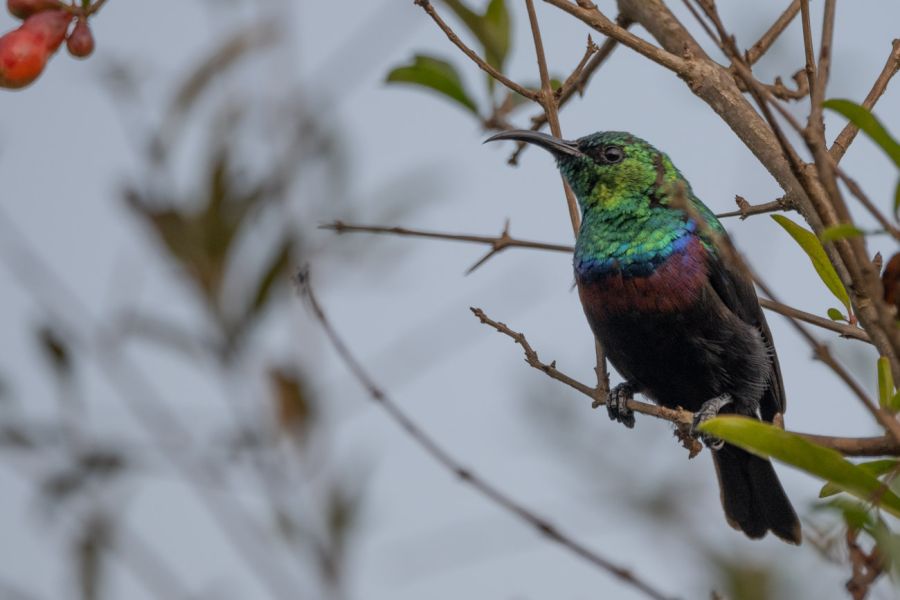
678,319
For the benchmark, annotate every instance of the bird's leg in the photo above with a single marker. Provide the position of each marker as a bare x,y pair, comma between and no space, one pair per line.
709,410
617,403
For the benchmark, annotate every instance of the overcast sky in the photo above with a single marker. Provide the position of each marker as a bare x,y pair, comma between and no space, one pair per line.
65,153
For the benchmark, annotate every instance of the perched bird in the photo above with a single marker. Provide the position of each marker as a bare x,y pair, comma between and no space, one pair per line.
678,320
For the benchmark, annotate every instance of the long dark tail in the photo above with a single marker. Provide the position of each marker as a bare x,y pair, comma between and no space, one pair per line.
752,496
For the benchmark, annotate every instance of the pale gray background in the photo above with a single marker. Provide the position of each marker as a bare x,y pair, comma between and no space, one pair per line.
64,153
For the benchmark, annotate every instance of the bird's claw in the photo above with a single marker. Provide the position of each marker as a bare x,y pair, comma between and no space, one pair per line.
617,404
709,410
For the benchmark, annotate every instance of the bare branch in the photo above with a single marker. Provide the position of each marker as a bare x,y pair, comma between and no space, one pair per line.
551,108
762,46
745,209
823,353
600,22
572,81
808,43
509,242
847,331
682,419
504,240
867,203
848,133
482,64
573,85
437,452
548,101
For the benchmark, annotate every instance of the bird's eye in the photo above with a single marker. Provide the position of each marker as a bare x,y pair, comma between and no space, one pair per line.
612,155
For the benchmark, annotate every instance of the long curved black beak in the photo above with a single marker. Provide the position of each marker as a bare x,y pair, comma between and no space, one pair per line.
556,146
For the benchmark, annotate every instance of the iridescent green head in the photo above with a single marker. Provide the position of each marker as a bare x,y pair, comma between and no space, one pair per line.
607,168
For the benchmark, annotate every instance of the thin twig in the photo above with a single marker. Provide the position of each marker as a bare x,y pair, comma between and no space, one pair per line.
777,89
867,203
848,133
548,101
576,85
551,108
844,330
146,407
815,126
482,64
808,43
762,46
572,81
823,353
603,24
506,241
418,435
868,446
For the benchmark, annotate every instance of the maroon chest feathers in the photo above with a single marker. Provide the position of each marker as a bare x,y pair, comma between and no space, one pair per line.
673,285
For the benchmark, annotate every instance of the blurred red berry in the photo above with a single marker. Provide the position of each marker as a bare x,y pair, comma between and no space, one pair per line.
50,25
25,8
23,55
81,41
890,279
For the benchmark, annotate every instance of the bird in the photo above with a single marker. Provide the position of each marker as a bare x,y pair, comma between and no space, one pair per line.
678,319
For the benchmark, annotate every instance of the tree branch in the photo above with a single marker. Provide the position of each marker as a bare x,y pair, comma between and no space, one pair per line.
682,419
551,108
504,240
848,133
482,64
439,454
572,85
745,209
762,46
548,101
600,22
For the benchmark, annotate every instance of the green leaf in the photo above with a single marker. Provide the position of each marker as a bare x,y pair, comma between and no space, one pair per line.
816,253
490,29
866,121
897,199
839,232
497,26
435,74
769,441
875,468
885,382
836,315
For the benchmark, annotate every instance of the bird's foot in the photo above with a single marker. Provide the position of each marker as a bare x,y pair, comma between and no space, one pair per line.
709,410
617,404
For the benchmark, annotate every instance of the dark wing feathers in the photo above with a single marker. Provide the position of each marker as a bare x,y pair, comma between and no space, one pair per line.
737,293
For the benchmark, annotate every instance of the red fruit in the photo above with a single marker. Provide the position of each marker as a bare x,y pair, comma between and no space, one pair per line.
23,55
81,41
25,8
50,25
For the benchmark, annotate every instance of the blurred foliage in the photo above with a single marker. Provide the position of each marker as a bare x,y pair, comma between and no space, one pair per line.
236,227
436,74
492,29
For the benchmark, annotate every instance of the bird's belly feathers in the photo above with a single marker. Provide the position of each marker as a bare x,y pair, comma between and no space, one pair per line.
665,332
